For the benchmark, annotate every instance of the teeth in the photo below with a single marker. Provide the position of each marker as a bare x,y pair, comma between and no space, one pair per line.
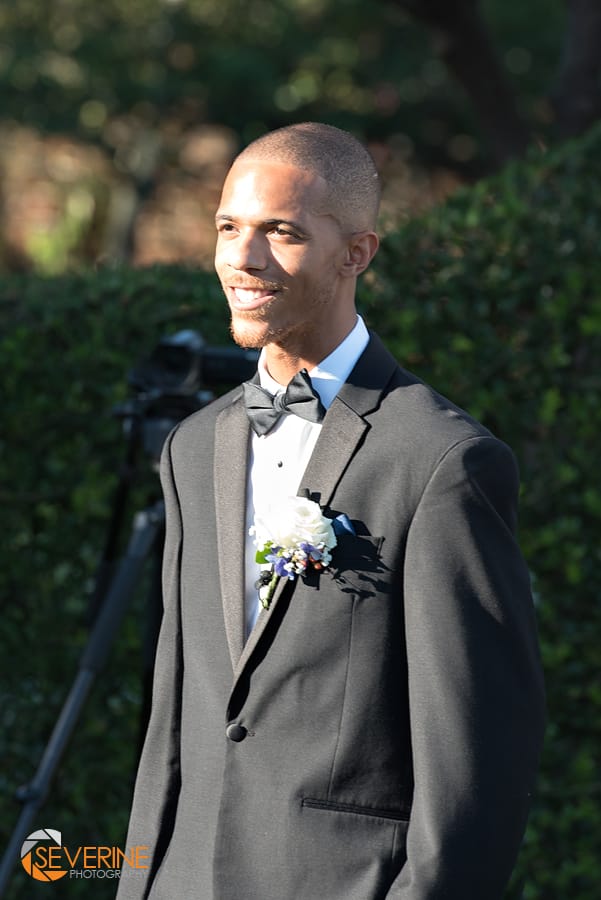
248,295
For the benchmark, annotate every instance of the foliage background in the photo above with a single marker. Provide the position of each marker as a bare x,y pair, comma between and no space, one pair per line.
493,298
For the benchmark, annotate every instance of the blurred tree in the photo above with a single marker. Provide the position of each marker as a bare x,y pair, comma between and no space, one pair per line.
464,43
577,97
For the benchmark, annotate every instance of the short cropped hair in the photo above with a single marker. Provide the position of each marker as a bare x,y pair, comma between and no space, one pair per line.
341,160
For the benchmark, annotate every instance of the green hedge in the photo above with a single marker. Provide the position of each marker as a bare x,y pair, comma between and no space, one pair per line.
493,298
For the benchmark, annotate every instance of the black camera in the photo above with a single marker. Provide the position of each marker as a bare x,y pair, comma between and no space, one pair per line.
176,380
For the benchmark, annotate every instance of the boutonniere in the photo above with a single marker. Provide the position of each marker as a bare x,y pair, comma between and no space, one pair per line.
292,538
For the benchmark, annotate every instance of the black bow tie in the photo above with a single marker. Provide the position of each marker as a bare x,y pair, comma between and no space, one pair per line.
264,410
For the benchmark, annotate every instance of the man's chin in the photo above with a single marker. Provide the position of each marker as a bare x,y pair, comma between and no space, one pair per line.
248,338
256,335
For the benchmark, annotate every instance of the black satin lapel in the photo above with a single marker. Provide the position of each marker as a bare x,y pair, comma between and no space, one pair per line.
344,424
231,450
260,625
341,433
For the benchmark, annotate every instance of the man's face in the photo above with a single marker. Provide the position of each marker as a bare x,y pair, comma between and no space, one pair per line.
278,255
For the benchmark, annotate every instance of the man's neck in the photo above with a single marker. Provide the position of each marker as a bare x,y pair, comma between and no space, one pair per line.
283,361
328,376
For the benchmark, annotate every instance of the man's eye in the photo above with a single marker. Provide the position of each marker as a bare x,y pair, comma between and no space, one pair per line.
282,231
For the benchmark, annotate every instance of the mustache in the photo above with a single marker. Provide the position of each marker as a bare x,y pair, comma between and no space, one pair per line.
252,284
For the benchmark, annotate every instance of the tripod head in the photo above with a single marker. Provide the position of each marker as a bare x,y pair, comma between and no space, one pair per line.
175,381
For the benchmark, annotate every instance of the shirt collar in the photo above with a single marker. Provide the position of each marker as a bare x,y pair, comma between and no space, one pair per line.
329,375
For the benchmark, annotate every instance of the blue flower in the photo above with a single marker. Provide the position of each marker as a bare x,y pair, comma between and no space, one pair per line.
280,567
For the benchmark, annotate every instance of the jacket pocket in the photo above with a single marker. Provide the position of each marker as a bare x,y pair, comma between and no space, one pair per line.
353,809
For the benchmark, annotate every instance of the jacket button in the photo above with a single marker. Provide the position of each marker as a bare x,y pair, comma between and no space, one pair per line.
236,732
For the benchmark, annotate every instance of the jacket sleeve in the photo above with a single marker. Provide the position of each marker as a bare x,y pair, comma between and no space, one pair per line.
158,779
475,684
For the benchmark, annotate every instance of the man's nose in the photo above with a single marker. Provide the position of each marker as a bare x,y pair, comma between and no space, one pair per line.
248,251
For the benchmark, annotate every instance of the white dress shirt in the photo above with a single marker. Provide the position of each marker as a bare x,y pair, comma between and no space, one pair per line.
278,459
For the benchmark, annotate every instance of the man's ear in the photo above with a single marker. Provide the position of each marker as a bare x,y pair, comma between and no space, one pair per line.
360,250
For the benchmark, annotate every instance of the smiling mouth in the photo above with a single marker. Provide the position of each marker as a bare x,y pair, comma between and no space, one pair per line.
251,298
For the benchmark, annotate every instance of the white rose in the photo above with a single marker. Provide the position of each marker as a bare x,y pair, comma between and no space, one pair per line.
311,525
292,521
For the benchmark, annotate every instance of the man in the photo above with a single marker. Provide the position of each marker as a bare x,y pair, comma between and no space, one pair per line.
374,732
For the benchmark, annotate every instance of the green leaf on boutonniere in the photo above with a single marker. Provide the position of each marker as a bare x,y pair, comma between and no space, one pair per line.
262,553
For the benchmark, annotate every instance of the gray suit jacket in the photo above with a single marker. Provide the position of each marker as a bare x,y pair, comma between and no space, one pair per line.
388,713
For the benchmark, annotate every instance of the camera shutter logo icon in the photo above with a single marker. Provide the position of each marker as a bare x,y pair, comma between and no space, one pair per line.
38,855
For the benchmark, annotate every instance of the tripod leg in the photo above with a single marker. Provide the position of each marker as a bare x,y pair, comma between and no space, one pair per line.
147,524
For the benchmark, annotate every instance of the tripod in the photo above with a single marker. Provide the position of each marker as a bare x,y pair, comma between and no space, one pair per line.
110,600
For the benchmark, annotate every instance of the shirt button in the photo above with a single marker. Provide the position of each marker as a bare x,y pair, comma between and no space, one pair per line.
236,732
